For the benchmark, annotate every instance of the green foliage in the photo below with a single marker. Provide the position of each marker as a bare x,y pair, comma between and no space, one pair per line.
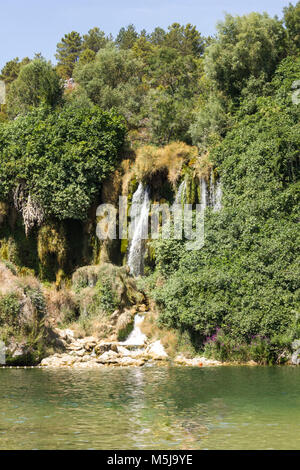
61,156
9,310
94,40
67,53
113,79
259,349
105,297
127,37
212,120
12,68
37,83
186,39
245,46
245,279
292,24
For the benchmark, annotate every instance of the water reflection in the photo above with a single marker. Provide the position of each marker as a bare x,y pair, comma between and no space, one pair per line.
150,408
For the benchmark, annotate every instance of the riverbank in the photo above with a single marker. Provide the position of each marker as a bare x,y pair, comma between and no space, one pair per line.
136,350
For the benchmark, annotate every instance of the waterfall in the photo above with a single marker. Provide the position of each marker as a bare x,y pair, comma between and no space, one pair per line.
136,337
180,196
215,194
203,194
138,230
218,197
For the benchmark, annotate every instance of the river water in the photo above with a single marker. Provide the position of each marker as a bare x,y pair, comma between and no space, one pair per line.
150,408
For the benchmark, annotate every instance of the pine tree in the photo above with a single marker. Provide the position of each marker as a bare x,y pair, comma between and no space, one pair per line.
94,40
68,51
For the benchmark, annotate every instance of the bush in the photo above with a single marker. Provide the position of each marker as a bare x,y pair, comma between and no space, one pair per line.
57,160
245,279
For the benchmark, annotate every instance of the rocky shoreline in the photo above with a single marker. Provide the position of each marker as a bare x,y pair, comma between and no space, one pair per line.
89,352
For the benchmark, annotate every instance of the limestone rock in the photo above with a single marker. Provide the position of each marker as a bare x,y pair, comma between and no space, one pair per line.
296,344
196,361
296,358
156,351
109,357
105,346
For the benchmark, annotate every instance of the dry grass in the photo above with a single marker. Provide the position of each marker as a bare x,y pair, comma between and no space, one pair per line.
151,160
59,304
124,325
202,166
170,158
168,338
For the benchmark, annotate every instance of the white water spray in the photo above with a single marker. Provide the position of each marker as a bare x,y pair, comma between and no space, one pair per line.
136,337
139,230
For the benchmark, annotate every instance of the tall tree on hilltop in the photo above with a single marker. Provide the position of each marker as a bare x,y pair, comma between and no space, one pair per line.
185,39
67,53
127,37
94,40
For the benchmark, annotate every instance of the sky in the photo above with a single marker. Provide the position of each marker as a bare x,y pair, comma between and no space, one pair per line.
31,26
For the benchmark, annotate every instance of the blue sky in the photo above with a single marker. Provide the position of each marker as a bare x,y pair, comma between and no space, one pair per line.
30,26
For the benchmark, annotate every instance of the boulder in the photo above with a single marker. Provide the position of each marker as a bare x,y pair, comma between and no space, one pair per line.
296,344
108,357
156,351
104,347
296,357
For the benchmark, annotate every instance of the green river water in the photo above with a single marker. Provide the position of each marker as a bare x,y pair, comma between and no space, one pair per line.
150,408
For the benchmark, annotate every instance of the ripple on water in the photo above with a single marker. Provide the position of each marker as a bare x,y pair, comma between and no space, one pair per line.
150,408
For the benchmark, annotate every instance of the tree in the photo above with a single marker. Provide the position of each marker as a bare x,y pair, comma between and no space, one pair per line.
37,83
11,69
127,37
171,70
245,45
87,56
94,40
158,36
211,121
292,24
167,116
67,53
59,158
114,79
185,39
245,279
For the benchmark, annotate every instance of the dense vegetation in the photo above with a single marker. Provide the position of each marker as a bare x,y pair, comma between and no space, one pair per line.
244,282
158,107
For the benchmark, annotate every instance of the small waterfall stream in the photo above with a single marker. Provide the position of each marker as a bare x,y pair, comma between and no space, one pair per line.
218,197
203,194
136,337
179,198
139,229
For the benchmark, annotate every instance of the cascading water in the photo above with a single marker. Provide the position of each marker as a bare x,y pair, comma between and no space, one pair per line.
215,194
218,197
139,213
203,194
136,337
180,196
